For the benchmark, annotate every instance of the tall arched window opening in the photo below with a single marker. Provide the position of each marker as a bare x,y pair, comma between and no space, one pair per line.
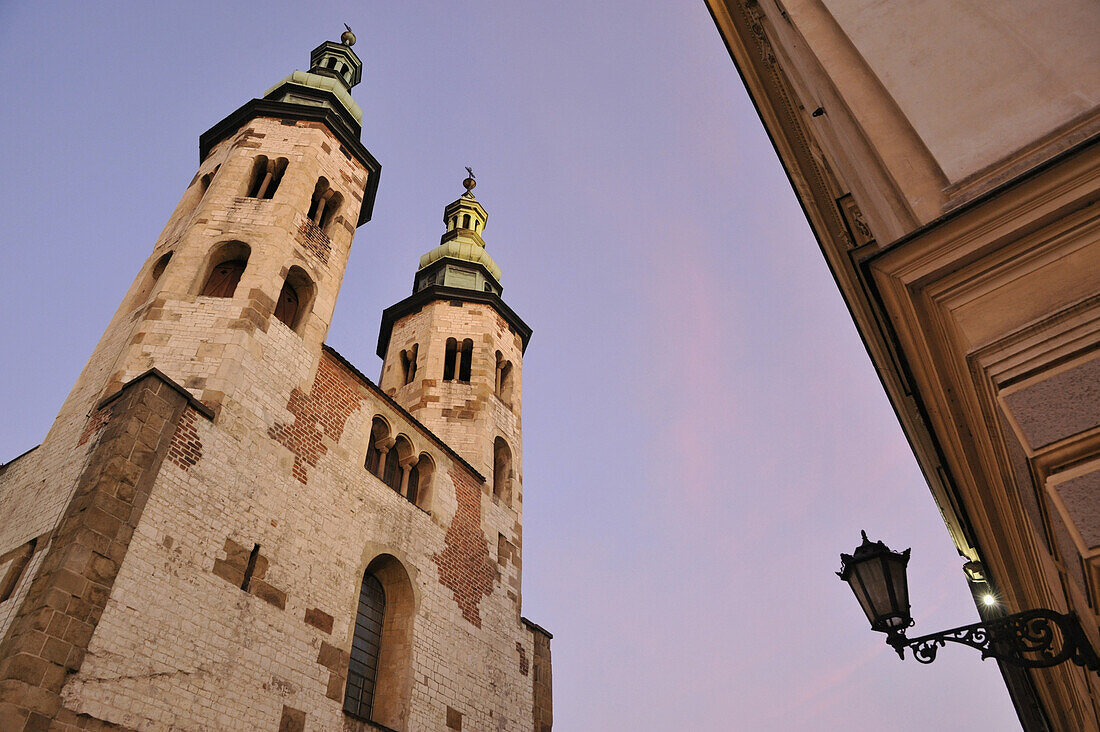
324,205
420,482
467,357
502,471
504,379
378,448
295,298
408,364
397,468
266,176
449,358
229,262
380,668
366,646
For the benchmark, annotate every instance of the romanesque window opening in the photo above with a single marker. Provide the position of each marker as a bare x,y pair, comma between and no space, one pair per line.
466,357
378,447
266,176
503,379
250,568
15,570
324,205
295,298
230,260
366,648
224,278
420,482
466,221
286,309
449,359
382,641
408,364
502,471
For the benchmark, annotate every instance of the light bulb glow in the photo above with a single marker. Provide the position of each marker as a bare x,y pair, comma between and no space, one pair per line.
989,600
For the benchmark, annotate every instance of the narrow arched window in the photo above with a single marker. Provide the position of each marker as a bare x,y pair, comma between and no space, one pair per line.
295,298
324,205
227,262
286,309
408,364
266,176
466,221
502,471
223,279
391,476
449,358
420,482
366,647
467,357
379,433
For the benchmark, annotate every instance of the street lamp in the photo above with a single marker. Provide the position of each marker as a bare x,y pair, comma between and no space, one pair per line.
1032,639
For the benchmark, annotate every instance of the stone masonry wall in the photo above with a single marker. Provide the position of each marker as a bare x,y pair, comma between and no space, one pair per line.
178,630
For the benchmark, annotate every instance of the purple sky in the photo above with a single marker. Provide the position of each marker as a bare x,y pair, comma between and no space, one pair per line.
703,430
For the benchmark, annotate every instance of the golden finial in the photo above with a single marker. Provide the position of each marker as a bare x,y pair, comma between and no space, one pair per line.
347,37
469,183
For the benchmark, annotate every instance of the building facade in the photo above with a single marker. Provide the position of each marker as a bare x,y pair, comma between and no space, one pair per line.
229,526
948,161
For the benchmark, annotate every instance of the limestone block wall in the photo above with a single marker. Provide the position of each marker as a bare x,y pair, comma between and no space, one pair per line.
178,630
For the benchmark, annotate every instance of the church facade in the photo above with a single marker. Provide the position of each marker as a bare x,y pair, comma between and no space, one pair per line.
228,526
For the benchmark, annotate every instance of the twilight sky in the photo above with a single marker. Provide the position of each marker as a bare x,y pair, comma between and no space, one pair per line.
703,430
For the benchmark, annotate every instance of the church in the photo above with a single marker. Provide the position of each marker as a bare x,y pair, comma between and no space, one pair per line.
228,525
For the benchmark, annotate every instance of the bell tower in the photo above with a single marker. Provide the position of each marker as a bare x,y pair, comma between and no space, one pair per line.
453,351
242,282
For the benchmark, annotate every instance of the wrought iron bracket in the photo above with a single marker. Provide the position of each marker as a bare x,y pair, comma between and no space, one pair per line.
1031,639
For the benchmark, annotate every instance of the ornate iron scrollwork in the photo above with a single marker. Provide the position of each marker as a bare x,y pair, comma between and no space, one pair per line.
1032,639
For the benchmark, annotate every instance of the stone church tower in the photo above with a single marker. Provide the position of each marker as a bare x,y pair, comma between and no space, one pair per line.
229,526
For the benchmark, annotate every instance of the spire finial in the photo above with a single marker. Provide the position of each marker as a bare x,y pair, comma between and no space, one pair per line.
347,37
469,183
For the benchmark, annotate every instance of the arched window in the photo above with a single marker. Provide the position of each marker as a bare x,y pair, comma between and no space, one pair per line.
466,221
398,464
229,262
420,482
366,646
502,471
449,359
295,298
379,436
266,176
380,668
408,364
467,353
324,205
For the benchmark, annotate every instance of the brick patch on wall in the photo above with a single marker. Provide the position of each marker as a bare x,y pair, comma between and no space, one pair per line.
465,566
97,421
314,241
49,636
186,448
323,412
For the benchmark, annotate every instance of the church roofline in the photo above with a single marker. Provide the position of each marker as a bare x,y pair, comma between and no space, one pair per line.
441,292
342,126
401,410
